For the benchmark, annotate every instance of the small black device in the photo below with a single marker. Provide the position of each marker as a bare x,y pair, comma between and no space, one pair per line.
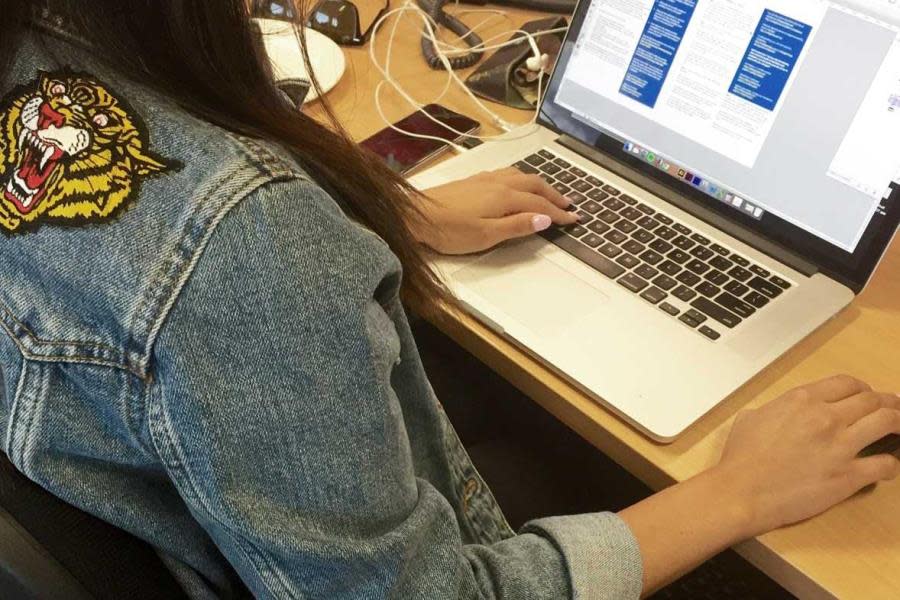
339,21
403,153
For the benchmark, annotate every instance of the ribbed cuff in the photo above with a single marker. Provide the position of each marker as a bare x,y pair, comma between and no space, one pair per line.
601,553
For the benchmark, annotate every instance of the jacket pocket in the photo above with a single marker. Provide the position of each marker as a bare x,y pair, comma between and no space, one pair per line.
11,364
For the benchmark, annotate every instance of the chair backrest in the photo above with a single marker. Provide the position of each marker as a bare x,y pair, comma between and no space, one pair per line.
51,550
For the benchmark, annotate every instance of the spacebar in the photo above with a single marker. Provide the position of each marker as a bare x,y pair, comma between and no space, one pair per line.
584,254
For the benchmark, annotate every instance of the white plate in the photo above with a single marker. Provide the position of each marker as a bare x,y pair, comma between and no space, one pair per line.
283,47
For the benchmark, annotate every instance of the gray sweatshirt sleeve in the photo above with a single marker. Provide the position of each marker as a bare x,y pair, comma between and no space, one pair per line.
276,414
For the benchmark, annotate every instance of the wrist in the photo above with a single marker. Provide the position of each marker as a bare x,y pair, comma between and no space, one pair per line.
737,502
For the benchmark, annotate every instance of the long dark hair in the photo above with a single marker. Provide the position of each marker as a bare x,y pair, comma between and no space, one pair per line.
206,55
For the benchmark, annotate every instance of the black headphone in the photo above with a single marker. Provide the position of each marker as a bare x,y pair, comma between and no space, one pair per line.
435,10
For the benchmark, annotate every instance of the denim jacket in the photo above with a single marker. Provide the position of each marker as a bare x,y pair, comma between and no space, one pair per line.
199,347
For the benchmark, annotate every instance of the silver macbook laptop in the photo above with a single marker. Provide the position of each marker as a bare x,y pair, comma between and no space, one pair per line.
736,167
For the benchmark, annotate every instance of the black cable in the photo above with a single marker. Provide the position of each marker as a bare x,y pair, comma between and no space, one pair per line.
435,9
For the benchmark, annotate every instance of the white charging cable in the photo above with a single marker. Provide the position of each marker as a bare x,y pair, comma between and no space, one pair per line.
538,63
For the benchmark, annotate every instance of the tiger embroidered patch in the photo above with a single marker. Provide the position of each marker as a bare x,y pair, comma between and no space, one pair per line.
71,152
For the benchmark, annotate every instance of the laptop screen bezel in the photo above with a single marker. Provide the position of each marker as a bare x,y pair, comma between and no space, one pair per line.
853,270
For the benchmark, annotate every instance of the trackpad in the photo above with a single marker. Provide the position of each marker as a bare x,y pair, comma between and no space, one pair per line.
537,293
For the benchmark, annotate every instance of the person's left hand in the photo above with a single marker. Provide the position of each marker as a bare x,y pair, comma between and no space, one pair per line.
479,212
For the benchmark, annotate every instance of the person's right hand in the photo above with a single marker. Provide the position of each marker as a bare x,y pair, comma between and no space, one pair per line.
798,455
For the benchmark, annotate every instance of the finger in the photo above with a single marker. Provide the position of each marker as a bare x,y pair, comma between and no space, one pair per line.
514,226
854,408
874,426
519,202
872,469
836,388
533,184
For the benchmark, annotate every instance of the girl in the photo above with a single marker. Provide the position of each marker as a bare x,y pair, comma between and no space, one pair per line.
202,339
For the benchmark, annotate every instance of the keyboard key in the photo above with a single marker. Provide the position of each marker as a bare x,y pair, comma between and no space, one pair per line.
683,243
598,227
668,308
608,216
697,316
594,181
681,229
710,333
535,160
765,288
643,236
700,239
585,254
664,282
688,278
547,178
670,268
582,186
651,258
633,282
707,289
697,266
718,313
661,246
634,247
719,249
646,271
631,214
584,217
576,231
591,207
613,203
525,168
550,168
627,199
561,188
679,257
735,305
654,295
666,233
628,261
738,289
613,191
780,282
692,323
565,177
616,237
721,263
702,253
610,250
592,239
625,226
716,277
664,219
757,300
684,293
648,223
645,209
547,154
597,195
576,198
759,271
740,260
740,273
562,163
577,172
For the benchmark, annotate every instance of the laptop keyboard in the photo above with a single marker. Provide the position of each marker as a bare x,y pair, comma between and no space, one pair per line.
703,284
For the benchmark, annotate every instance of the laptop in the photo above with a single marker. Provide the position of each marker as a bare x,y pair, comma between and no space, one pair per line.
736,168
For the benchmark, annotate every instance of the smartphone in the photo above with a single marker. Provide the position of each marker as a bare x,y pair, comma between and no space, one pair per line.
404,153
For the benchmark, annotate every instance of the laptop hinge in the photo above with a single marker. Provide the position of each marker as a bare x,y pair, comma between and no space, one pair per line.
736,230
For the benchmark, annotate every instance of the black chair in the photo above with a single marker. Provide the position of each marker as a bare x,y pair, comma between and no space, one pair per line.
51,550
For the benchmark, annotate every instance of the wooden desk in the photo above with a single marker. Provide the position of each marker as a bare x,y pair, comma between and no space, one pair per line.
852,551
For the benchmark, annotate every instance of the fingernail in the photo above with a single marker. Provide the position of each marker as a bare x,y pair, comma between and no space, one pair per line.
541,222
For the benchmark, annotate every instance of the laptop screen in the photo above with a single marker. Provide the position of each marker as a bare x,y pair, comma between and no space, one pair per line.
784,114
